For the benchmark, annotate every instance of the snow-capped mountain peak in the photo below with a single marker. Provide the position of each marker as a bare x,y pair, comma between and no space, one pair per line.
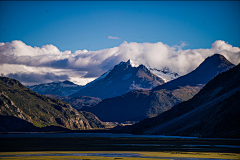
129,62
123,78
132,63
165,73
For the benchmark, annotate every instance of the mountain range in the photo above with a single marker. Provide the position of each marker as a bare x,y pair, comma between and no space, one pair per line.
64,88
21,107
133,72
126,76
140,104
123,78
213,112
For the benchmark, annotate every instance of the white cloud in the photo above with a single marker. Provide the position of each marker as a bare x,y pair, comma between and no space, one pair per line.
180,45
81,81
32,78
111,37
83,65
230,52
23,71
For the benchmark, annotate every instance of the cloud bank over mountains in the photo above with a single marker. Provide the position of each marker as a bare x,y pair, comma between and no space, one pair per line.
34,65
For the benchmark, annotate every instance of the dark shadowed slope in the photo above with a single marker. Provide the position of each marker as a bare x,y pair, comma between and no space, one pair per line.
123,78
139,104
18,101
213,112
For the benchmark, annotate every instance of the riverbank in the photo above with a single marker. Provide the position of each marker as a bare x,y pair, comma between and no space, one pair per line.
24,144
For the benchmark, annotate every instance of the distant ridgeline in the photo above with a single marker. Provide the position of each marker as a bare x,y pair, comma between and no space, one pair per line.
21,109
64,88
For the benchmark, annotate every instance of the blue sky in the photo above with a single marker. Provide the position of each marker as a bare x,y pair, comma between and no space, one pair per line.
46,41
78,25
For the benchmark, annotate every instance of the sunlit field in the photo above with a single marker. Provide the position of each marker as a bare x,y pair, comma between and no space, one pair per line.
123,155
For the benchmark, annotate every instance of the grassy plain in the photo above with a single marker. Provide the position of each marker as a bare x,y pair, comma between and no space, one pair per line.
148,148
144,155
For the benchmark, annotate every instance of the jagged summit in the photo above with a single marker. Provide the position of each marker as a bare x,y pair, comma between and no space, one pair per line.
165,73
123,78
68,82
129,63
216,60
209,68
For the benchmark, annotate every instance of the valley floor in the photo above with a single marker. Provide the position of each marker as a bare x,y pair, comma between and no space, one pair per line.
143,144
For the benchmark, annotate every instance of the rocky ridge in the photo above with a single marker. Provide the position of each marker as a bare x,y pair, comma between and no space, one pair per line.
18,101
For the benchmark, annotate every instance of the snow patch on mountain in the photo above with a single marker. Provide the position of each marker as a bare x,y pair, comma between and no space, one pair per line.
109,82
127,76
129,62
99,78
166,74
